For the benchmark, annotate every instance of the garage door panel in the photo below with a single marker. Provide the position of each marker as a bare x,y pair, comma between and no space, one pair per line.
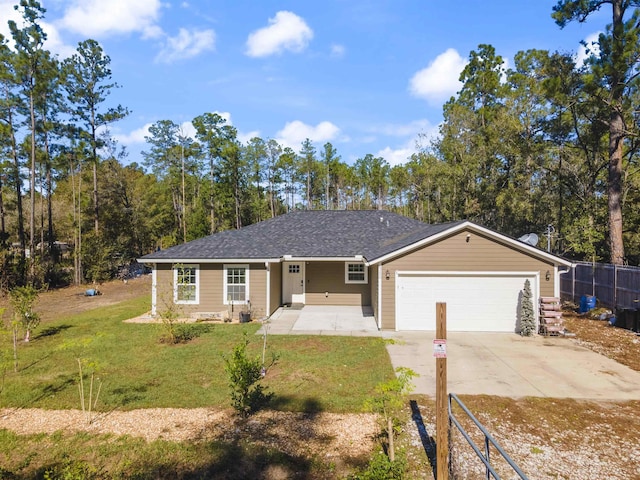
488,302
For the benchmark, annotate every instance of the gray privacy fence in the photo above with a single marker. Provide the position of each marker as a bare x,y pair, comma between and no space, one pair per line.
614,286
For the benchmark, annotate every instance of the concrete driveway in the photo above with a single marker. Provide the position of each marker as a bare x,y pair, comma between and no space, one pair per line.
512,366
502,364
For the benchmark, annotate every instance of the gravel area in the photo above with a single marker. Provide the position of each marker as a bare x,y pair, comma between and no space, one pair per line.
327,435
604,448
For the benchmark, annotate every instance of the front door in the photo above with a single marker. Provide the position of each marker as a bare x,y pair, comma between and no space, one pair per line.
293,282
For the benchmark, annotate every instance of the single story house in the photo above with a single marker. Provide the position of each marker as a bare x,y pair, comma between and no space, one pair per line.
396,266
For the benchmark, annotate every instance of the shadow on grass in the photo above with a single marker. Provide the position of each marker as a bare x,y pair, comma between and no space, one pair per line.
51,331
62,382
297,404
35,362
216,461
129,394
428,442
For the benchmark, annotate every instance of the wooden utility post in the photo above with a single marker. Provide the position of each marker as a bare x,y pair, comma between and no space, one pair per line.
442,409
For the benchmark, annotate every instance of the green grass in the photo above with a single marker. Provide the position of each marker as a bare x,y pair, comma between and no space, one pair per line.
83,456
313,373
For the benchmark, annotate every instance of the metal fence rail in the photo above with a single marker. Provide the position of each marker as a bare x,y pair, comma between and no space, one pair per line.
615,286
488,441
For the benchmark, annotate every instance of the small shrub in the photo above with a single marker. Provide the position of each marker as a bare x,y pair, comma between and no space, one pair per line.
71,470
245,374
184,333
388,402
380,467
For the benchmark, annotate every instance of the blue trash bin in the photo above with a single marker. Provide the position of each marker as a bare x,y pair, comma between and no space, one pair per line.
587,303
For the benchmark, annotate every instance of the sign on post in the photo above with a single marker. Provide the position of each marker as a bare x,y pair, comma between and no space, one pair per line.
440,348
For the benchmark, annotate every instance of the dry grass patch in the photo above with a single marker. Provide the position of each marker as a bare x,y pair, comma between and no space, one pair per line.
619,344
549,438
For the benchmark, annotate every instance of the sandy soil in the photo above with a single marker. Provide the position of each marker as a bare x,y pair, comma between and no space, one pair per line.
72,300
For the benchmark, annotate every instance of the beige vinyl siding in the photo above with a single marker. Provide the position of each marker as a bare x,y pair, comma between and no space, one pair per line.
325,285
373,283
455,254
275,275
211,285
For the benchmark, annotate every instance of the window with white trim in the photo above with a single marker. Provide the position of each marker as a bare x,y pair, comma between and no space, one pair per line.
355,273
236,284
186,284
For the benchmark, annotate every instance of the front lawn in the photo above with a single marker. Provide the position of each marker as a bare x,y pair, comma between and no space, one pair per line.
313,373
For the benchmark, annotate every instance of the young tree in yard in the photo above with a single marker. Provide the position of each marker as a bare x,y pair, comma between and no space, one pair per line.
245,374
22,300
615,72
88,395
388,401
527,317
5,350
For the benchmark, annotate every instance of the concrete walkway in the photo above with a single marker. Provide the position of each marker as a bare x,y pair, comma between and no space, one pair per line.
501,364
322,320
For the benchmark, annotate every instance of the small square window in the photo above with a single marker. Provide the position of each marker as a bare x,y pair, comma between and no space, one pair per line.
294,268
355,273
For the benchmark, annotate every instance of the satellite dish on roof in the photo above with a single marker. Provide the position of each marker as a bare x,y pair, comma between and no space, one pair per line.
530,238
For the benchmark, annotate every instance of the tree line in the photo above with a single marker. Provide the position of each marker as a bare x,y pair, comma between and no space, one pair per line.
521,149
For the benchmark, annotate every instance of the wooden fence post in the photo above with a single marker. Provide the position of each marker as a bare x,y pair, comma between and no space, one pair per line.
442,403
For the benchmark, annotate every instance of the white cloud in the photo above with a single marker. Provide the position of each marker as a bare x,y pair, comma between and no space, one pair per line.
593,47
136,136
421,134
294,133
403,130
186,45
396,156
7,13
245,137
437,82
286,31
187,130
55,43
338,51
96,18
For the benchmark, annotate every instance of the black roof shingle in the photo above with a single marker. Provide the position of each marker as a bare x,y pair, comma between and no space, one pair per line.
309,233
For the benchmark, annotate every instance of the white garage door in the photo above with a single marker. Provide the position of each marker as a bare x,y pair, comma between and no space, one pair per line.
484,302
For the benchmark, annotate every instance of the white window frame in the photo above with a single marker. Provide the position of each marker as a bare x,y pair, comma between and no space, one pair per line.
226,300
177,301
365,270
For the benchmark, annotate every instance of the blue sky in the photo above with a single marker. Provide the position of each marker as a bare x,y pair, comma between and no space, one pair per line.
367,76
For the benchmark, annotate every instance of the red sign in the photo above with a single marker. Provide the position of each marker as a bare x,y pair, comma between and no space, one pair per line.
440,348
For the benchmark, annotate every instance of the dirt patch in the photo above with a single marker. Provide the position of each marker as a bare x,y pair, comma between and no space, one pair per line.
619,344
54,304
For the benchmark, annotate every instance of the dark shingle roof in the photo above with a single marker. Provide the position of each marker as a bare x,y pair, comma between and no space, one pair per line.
311,233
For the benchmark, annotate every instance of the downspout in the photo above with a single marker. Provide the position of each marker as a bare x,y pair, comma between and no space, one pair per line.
556,287
154,289
267,313
379,299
